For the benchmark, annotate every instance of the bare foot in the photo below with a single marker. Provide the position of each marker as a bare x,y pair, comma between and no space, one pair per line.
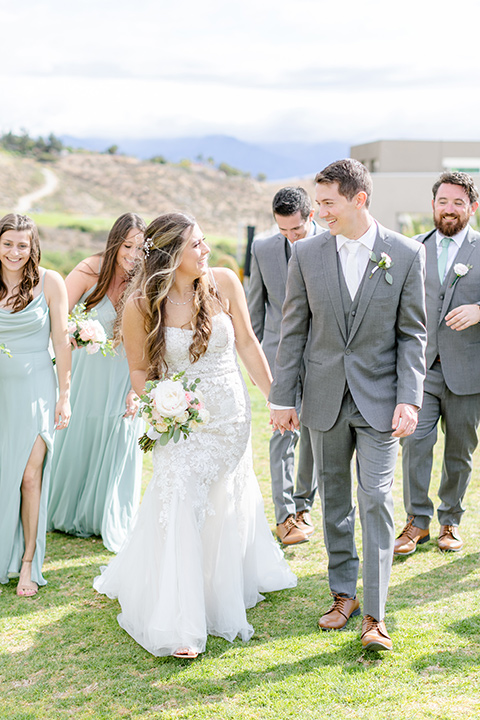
26,587
185,653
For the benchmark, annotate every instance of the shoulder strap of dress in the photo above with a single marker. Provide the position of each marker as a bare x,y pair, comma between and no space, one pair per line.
43,278
214,282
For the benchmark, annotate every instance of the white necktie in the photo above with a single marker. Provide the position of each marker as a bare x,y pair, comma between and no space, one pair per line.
351,268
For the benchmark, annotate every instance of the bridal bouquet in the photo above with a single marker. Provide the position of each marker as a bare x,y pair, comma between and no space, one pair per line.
87,332
172,407
5,350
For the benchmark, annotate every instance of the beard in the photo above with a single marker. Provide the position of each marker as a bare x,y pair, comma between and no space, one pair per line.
448,224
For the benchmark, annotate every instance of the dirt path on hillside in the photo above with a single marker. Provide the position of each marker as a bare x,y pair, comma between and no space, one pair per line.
26,202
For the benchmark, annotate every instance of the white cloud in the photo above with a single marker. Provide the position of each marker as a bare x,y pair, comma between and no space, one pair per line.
269,69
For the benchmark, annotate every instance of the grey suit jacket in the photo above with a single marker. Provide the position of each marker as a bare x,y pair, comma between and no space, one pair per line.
382,359
266,292
459,350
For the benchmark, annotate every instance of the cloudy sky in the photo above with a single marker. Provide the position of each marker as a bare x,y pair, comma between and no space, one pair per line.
311,70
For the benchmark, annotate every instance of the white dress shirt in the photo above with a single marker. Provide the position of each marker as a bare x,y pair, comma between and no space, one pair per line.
365,247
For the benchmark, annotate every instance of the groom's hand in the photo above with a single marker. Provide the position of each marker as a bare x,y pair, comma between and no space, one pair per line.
284,420
405,420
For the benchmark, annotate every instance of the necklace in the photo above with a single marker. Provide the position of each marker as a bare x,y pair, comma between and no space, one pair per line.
181,303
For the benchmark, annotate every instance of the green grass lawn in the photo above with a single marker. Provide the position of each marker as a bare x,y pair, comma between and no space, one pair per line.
63,654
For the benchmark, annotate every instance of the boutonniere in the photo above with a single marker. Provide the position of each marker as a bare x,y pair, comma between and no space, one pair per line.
460,270
384,263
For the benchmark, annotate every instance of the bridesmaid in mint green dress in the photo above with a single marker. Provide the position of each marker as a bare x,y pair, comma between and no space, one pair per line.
33,307
96,472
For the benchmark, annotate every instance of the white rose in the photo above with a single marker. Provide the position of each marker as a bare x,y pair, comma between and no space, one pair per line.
204,415
387,260
92,348
460,269
169,398
180,419
199,395
160,426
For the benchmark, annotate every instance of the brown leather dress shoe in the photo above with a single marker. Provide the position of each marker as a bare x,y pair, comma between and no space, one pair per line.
449,539
411,536
304,522
339,614
375,635
289,533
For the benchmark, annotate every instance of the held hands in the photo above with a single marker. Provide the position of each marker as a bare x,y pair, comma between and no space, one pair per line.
463,317
132,403
284,420
404,420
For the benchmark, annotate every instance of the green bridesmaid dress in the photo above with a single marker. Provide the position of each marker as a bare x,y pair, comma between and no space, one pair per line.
27,402
97,464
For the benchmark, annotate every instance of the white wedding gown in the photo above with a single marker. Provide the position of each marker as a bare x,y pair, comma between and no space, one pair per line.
200,552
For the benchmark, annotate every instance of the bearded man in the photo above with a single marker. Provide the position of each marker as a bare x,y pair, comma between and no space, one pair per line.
452,384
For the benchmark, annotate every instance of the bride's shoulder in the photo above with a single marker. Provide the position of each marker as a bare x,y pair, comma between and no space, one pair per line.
225,278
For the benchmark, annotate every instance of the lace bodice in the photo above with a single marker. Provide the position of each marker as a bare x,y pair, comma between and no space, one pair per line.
220,355
214,451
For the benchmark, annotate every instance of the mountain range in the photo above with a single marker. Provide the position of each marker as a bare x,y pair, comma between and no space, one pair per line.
275,160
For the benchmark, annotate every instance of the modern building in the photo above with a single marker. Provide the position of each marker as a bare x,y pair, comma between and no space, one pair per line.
403,174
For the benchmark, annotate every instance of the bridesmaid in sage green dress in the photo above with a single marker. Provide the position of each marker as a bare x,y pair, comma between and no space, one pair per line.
33,307
96,472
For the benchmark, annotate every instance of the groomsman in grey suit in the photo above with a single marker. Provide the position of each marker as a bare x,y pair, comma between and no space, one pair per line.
293,213
452,384
360,288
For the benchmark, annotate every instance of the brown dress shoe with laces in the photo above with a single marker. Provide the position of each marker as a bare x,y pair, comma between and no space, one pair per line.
411,536
375,635
289,533
339,614
304,522
449,539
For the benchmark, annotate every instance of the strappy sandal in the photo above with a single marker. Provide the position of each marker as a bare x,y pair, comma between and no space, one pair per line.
185,654
24,590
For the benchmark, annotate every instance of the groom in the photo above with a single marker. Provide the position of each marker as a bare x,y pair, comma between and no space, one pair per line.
361,287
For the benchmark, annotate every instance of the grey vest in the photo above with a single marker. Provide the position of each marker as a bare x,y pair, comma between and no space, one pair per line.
349,306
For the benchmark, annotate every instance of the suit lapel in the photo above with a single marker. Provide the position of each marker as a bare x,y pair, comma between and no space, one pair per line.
463,256
370,283
330,266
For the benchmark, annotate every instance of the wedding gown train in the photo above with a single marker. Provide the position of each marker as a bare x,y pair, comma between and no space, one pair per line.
201,551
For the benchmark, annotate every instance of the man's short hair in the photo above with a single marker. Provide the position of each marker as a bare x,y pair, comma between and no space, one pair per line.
351,175
457,178
290,200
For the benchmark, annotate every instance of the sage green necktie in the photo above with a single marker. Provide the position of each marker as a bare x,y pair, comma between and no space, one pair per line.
443,257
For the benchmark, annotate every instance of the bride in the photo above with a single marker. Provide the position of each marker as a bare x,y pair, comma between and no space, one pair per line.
200,552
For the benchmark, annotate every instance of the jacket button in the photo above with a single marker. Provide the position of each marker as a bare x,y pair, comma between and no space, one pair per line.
348,351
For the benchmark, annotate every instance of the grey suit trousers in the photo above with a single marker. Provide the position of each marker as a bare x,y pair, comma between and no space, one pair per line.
460,417
376,454
282,467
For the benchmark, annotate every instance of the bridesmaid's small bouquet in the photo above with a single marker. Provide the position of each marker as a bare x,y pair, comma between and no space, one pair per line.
172,407
88,332
5,350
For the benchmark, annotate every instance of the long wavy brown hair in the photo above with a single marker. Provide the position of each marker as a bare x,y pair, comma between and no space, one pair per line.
116,237
169,235
31,276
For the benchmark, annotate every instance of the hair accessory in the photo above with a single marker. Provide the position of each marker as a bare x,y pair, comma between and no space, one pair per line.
147,246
